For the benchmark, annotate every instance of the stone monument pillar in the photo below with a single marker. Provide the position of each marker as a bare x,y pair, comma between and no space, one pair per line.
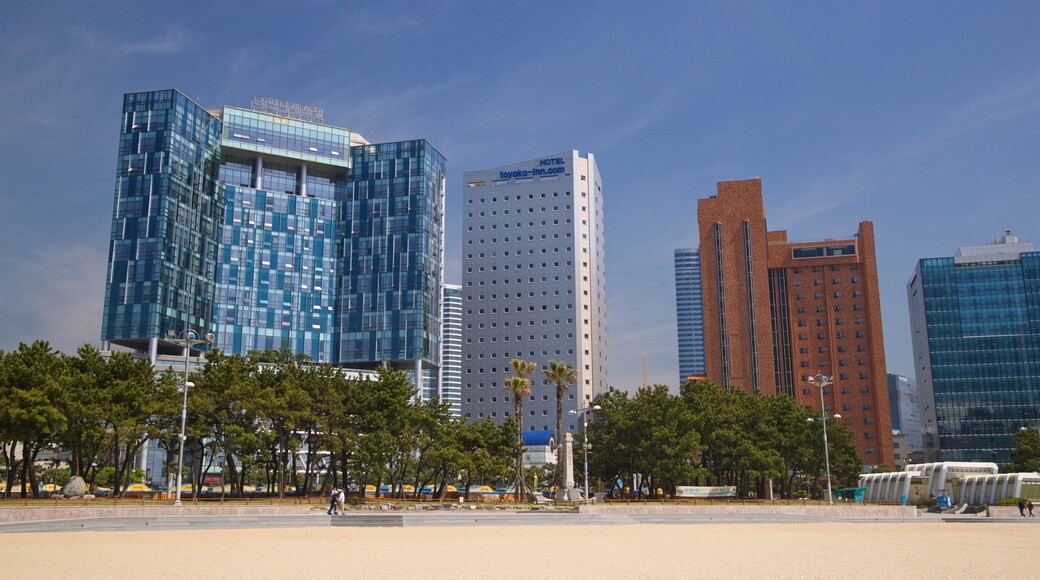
566,455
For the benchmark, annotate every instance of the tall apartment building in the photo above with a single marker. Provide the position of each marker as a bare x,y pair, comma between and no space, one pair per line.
688,313
975,322
450,382
533,283
777,312
272,229
905,410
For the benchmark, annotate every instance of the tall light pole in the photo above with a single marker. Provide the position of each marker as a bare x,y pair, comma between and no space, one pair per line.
190,337
820,381
584,412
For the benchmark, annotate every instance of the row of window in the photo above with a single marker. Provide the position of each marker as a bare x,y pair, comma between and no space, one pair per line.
841,348
543,209
505,399
834,268
555,236
826,363
819,282
505,338
508,355
837,308
518,324
864,389
838,335
819,295
519,266
520,225
823,322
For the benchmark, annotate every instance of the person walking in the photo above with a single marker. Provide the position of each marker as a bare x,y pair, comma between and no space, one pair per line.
1029,507
1021,508
333,502
341,499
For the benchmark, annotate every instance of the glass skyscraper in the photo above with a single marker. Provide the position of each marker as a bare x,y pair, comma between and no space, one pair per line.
688,313
390,284
273,230
285,180
975,319
166,221
905,408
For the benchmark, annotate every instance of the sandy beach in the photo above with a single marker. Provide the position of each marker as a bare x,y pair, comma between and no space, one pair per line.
820,550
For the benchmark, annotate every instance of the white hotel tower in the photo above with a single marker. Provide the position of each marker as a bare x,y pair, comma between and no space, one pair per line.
533,284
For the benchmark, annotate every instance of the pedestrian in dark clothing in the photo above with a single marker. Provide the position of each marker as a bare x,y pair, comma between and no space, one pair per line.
1022,508
1029,506
333,503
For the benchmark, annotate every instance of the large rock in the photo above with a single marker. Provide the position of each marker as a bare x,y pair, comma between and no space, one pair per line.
75,488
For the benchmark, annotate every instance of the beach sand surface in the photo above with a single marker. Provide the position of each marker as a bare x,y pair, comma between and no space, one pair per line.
819,550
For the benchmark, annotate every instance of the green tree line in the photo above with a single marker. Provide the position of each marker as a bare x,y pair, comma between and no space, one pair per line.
276,420
267,418
712,437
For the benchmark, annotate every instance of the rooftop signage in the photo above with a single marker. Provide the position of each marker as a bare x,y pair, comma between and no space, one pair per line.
288,109
546,166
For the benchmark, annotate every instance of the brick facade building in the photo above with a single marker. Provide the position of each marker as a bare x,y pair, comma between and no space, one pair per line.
776,312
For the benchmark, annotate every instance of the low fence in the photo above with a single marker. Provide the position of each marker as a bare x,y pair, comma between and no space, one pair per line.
159,500
480,498
848,510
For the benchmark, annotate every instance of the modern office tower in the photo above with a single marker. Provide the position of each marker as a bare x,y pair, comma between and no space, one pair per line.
390,283
975,319
905,410
533,284
276,286
273,230
450,390
166,222
777,312
688,314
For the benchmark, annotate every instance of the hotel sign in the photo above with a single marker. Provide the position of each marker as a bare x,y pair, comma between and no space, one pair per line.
547,166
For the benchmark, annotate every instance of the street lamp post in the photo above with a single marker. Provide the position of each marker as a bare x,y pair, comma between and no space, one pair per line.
584,412
820,381
190,339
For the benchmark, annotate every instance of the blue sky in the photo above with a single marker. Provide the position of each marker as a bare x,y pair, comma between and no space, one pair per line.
923,117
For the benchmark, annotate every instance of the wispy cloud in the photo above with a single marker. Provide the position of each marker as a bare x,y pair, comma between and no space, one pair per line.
870,173
820,197
389,113
1016,98
170,40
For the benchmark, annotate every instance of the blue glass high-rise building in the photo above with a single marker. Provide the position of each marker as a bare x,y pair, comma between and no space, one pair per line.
905,407
688,313
975,319
274,230
166,221
390,283
285,180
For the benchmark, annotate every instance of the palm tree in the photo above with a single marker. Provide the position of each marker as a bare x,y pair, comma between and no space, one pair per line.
522,368
561,374
520,386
